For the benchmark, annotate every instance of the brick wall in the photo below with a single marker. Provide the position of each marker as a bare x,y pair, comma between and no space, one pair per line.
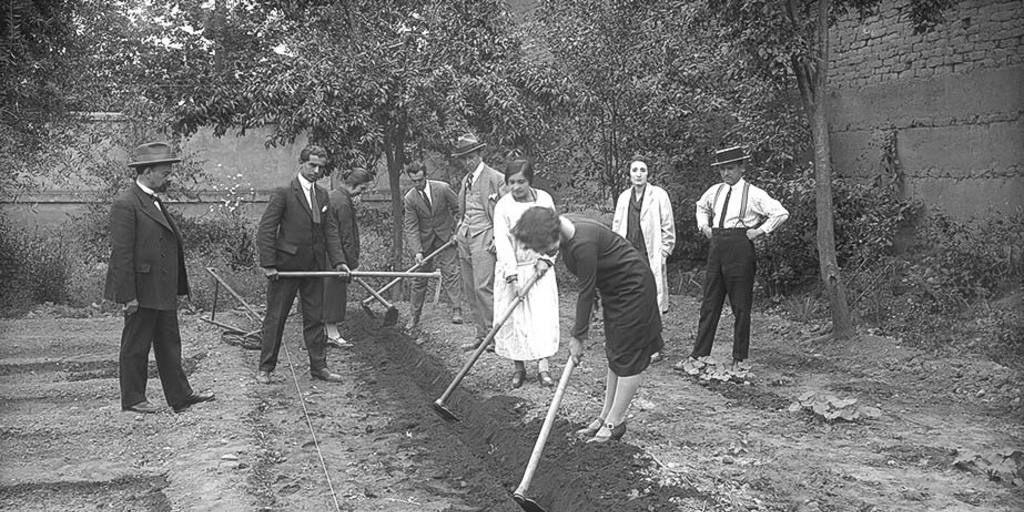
953,100
978,34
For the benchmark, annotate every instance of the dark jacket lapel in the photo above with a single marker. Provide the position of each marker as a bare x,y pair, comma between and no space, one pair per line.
301,196
149,208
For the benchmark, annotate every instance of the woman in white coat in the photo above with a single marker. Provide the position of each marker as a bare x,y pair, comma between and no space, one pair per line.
643,216
531,333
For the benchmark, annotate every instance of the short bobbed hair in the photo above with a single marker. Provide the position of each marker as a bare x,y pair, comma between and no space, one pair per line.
537,228
519,166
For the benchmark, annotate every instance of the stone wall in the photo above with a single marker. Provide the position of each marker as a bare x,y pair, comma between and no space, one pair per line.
952,100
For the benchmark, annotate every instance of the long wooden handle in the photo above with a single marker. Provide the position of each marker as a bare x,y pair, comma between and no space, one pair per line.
413,268
356,273
545,430
373,293
234,294
490,336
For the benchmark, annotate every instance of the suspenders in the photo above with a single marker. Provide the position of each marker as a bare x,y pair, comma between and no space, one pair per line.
743,205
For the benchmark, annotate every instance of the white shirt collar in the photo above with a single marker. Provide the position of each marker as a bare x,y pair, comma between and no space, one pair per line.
145,188
739,183
305,184
476,172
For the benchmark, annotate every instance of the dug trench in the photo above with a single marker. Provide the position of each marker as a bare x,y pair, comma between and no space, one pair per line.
691,444
473,464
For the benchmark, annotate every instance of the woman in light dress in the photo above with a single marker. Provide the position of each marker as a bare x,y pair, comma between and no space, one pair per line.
531,333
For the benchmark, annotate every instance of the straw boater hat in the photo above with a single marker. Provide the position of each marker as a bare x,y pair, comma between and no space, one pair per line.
468,143
730,155
153,153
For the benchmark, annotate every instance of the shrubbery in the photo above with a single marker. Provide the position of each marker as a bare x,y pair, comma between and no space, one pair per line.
35,266
229,238
868,219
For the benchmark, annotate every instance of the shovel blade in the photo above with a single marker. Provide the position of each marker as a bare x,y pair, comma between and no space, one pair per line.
369,312
443,411
391,317
527,504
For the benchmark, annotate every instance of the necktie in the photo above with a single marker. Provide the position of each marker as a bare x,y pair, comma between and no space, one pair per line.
313,206
725,209
426,197
465,192
167,217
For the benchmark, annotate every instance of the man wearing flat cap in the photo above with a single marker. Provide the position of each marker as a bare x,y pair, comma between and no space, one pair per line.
146,275
481,188
732,214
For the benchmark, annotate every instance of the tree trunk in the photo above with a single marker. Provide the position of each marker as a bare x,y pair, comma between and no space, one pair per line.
831,277
394,152
812,80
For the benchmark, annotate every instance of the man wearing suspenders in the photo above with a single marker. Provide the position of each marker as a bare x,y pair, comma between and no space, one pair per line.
732,214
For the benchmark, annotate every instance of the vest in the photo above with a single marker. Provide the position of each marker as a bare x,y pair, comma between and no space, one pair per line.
476,220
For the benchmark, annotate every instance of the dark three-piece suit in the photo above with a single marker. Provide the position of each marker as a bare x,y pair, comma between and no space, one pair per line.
289,239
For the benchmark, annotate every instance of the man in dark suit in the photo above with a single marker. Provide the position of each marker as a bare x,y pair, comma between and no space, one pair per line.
146,275
297,233
480,191
429,221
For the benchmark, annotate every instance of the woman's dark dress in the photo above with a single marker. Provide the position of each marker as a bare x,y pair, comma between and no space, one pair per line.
632,324
336,290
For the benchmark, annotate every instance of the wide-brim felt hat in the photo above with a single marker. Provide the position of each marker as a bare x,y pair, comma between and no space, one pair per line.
468,143
730,155
153,153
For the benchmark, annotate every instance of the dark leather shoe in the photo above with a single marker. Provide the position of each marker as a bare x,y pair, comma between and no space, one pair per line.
143,407
325,375
545,379
263,377
193,399
517,379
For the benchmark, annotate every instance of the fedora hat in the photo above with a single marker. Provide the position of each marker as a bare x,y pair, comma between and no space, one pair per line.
467,144
153,153
730,155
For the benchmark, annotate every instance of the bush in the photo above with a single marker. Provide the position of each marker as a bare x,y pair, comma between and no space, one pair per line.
35,266
969,259
867,221
228,237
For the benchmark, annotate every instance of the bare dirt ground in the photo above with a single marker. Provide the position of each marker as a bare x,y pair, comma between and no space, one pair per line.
947,422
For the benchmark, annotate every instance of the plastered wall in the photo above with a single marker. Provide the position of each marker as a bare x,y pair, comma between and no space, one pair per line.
952,100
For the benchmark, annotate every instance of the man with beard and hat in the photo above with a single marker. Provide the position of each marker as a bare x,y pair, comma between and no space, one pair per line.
146,275
481,188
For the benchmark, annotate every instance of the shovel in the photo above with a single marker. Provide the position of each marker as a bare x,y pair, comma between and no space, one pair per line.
366,301
520,493
439,404
391,317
